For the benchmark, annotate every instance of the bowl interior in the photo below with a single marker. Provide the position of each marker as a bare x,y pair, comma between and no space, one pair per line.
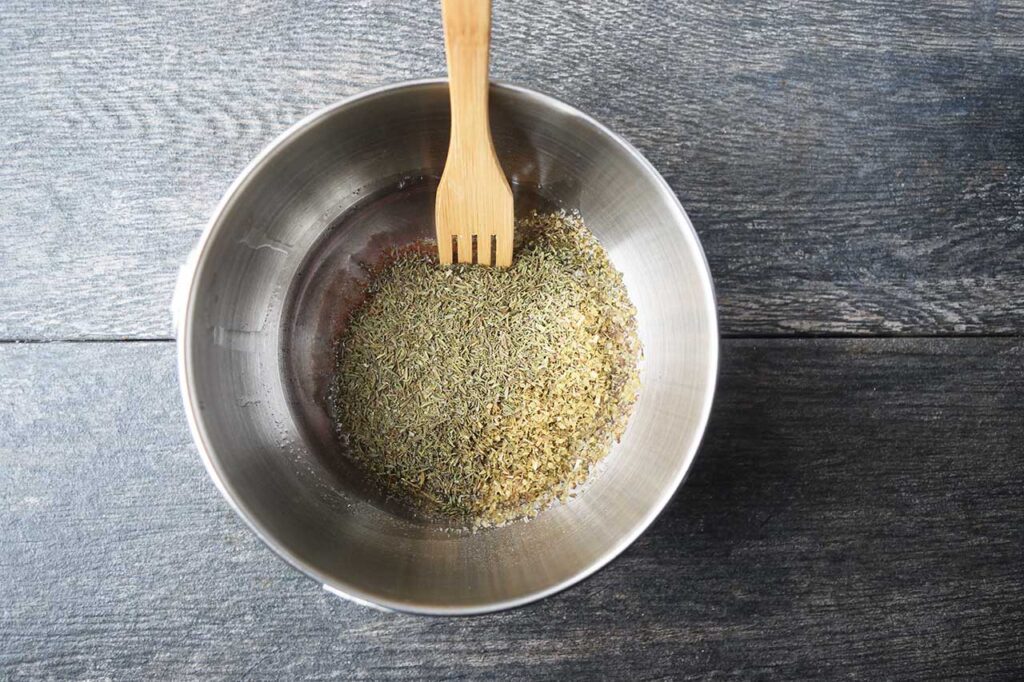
281,267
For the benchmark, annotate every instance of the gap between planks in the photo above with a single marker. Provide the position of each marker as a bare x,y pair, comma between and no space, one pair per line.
796,336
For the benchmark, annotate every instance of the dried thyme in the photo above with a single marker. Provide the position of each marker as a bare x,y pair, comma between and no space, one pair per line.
483,394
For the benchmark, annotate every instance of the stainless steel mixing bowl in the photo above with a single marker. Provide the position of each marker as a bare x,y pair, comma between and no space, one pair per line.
267,291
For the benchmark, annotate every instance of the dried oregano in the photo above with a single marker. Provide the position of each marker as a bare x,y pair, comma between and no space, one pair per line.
483,394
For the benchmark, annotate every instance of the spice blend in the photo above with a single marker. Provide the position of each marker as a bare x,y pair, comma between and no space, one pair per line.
482,394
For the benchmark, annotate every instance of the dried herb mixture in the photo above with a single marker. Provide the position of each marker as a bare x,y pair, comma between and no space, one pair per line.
483,394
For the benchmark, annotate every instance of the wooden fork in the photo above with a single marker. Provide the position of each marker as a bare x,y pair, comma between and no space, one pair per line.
474,201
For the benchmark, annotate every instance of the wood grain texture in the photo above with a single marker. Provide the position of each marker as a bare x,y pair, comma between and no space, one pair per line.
851,167
857,510
474,199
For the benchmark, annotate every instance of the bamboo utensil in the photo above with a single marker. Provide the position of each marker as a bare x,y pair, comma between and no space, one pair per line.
473,210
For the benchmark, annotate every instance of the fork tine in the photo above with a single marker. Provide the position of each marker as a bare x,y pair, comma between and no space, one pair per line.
465,248
503,257
483,249
445,246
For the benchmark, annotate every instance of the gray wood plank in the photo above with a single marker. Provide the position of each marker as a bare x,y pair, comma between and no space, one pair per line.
851,167
857,510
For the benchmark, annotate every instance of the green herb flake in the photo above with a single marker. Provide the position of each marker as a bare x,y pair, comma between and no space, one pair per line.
482,395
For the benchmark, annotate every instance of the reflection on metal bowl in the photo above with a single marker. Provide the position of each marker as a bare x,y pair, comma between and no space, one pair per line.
268,289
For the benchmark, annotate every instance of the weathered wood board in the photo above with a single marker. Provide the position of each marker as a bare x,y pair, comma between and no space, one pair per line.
857,510
852,168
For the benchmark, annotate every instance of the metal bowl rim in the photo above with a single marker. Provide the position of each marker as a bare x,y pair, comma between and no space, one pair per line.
184,307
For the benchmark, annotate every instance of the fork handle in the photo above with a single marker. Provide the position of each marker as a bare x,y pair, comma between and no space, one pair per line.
467,39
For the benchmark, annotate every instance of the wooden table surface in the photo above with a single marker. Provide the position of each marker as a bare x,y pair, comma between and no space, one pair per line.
855,171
